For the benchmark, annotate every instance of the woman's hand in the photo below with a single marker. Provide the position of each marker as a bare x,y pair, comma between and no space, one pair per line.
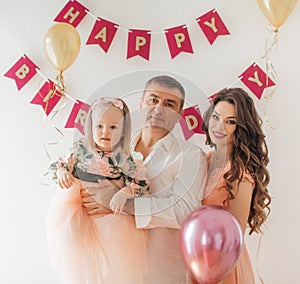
64,178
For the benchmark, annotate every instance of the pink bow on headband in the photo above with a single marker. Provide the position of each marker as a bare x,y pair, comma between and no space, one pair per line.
116,102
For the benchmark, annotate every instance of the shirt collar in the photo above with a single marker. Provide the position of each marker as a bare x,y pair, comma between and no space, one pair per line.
164,143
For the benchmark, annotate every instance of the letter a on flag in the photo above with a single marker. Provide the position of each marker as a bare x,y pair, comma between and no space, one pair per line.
22,71
103,34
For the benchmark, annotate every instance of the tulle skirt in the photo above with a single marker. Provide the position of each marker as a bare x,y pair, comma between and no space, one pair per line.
89,250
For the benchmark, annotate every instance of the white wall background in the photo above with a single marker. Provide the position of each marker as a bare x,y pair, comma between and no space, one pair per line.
24,200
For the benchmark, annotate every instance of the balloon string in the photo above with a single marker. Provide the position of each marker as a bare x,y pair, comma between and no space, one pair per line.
270,45
257,254
61,105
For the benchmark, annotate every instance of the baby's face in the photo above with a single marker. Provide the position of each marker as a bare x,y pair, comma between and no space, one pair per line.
108,126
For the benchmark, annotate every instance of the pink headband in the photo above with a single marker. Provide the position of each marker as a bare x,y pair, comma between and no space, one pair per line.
116,102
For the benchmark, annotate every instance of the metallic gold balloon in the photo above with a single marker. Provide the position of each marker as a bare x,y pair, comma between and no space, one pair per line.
62,45
276,11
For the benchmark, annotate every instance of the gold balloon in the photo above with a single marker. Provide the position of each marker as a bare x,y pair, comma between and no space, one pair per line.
277,11
62,45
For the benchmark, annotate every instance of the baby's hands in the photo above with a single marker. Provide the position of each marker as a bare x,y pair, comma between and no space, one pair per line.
64,178
118,201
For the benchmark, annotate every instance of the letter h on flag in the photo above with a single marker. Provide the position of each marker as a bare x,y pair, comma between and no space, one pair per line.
72,13
191,122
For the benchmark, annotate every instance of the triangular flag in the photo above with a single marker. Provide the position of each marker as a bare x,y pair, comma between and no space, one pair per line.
22,71
77,116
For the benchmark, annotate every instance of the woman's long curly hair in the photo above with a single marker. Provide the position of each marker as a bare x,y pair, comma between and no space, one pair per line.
249,152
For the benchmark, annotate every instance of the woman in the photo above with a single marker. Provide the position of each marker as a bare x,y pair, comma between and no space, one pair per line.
237,173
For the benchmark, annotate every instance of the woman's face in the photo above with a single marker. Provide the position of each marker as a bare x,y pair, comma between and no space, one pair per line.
108,125
222,125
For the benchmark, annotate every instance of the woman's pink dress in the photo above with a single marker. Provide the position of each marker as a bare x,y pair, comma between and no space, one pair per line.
215,194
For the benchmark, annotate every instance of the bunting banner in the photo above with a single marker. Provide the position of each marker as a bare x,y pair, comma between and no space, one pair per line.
178,40
256,80
138,43
191,122
22,71
102,34
72,13
48,96
77,116
212,26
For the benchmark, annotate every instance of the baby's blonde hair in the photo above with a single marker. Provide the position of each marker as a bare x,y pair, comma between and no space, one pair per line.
109,102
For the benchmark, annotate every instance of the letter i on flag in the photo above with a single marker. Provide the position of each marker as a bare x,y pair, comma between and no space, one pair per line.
191,122
48,96
22,71
212,26
256,80
73,13
77,116
138,43
178,40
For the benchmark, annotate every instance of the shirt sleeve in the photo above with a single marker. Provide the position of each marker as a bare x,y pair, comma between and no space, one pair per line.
185,192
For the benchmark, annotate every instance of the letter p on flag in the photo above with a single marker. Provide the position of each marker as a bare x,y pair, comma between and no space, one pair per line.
191,122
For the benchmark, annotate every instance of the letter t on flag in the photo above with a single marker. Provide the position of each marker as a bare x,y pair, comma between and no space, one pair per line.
77,116
256,80
22,71
191,122
138,43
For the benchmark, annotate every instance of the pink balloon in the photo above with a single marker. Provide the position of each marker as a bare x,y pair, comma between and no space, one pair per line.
211,243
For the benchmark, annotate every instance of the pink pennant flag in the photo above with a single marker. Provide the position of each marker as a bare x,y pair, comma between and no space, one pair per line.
138,43
77,116
48,96
191,122
256,80
22,71
103,34
212,25
73,13
178,40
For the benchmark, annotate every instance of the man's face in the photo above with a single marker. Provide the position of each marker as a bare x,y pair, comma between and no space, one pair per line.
161,107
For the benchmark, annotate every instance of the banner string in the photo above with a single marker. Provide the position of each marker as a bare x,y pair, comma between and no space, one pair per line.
270,45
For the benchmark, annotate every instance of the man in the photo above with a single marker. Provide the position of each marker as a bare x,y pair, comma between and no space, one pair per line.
177,173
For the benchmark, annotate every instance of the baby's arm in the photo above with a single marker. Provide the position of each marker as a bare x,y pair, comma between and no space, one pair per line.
64,178
135,186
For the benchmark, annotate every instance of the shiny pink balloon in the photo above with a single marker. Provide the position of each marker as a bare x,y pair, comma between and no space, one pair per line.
211,243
